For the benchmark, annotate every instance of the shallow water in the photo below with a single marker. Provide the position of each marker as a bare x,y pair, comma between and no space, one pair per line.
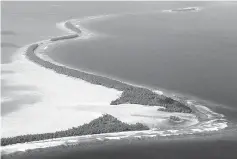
192,53
27,22
183,52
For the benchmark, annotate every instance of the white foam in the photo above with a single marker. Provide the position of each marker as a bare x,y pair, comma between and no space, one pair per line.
173,131
113,138
208,111
159,92
100,139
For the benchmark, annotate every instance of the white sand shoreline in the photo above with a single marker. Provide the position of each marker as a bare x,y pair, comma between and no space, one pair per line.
71,103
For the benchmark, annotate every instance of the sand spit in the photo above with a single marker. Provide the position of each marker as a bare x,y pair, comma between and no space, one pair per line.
64,37
186,9
68,102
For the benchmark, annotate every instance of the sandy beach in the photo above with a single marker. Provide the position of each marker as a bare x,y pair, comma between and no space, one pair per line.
68,102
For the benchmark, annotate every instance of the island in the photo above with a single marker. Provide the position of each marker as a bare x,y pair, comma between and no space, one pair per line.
159,106
130,94
105,124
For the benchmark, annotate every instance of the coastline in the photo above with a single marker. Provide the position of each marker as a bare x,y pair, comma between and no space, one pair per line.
163,146
31,54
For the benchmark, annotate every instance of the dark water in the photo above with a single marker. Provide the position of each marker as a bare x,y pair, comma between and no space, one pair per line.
26,22
190,53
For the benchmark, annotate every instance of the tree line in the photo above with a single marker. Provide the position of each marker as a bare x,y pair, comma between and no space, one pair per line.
104,124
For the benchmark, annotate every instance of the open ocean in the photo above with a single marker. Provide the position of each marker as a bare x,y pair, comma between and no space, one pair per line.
192,54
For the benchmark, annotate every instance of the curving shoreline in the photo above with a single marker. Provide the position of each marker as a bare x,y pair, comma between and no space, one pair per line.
130,94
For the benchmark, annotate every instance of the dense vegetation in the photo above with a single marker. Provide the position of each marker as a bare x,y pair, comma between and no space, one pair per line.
91,78
104,124
143,96
130,94
175,118
107,123
73,28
